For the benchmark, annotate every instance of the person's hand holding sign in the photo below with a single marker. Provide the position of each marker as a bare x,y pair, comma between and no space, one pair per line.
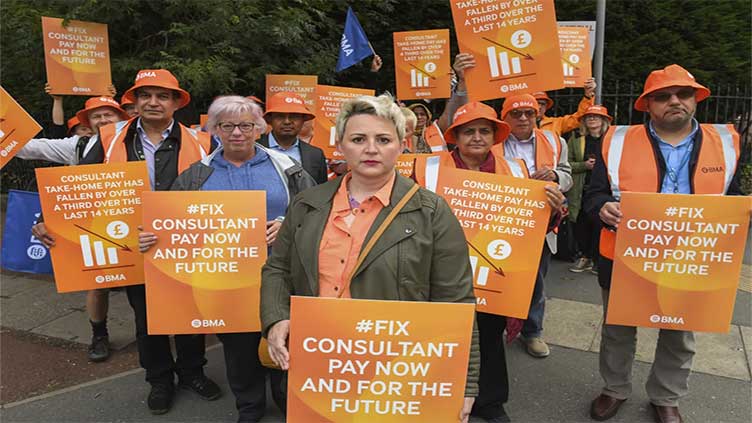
610,213
463,61
467,407
40,232
277,339
272,228
590,87
554,196
145,240
544,174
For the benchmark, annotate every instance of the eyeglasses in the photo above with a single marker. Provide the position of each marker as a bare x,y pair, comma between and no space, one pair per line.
245,127
518,113
681,94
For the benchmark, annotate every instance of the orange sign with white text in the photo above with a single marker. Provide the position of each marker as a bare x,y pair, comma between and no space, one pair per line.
575,55
16,127
505,221
677,261
77,57
406,163
93,212
422,64
328,102
302,85
204,273
365,360
515,44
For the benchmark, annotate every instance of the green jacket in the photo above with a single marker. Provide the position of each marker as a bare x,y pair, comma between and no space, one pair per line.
576,146
422,256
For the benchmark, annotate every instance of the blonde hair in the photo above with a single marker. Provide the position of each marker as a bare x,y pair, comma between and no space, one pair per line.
233,105
584,130
382,106
410,117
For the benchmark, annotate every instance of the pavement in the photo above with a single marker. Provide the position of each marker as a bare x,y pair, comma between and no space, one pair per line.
556,389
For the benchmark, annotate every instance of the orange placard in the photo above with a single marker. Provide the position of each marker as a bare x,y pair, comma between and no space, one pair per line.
505,221
93,212
390,361
202,120
16,127
328,101
515,44
575,55
406,163
302,85
204,273
422,64
77,57
678,260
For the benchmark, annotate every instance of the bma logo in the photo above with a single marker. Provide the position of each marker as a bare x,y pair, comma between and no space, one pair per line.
481,301
712,169
198,323
293,100
151,74
667,319
459,113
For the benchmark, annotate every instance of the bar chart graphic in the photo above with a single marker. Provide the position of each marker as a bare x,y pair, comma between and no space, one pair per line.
481,276
418,79
95,254
568,69
332,136
502,64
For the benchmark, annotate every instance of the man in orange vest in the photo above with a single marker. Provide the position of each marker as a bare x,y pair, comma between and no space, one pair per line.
545,155
563,124
665,155
168,148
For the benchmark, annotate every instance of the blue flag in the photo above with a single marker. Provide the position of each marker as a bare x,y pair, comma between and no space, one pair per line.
354,46
21,252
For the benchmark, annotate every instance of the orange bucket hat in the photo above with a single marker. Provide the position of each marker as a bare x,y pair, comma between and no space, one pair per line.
519,101
284,102
475,110
161,78
72,122
124,101
256,99
597,110
541,95
95,103
670,76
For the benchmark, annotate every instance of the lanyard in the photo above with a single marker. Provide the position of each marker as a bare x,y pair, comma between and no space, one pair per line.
673,174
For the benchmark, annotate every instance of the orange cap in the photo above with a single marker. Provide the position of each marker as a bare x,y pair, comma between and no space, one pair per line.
255,99
475,110
72,122
519,101
95,103
541,95
670,76
124,101
284,102
597,110
161,78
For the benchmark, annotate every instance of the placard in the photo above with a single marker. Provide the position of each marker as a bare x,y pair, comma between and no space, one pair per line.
77,57
515,45
391,361
204,273
677,261
328,102
406,163
16,127
92,212
302,85
422,65
574,55
505,221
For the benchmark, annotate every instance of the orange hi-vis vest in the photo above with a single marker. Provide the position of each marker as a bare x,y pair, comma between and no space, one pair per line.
547,149
194,145
427,168
434,138
632,167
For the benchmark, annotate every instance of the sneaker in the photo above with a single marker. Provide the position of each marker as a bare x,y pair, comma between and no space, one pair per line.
582,264
536,347
204,387
99,350
594,270
160,398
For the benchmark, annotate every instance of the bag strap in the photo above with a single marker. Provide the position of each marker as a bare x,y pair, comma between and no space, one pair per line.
376,235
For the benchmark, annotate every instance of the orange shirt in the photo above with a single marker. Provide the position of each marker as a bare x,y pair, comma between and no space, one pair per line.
343,236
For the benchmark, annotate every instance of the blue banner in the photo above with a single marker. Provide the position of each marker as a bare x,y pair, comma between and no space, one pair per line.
354,45
21,252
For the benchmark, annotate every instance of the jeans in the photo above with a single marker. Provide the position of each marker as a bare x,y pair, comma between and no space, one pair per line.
533,326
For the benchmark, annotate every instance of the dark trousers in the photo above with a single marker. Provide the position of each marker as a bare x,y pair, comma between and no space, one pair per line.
247,377
587,233
154,352
533,326
493,382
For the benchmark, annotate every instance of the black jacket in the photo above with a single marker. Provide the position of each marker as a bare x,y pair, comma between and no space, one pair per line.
312,159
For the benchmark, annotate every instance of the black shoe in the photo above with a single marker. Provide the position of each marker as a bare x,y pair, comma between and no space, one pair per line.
204,387
501,418
160,398
99,350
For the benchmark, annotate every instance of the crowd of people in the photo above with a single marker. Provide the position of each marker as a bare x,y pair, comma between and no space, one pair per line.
327,216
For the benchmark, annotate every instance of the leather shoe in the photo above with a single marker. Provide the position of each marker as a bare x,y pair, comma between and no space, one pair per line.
160,398
666,414
203,386
604,407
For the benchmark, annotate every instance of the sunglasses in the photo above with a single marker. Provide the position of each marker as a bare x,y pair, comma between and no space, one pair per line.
518,113
664,96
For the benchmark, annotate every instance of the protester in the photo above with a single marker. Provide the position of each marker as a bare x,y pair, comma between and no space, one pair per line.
410,122
423,120
671,147
75,128
168,148
563,124
545,155
306,132
285,113
475,129
128,106
582,152
370,131
241,164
